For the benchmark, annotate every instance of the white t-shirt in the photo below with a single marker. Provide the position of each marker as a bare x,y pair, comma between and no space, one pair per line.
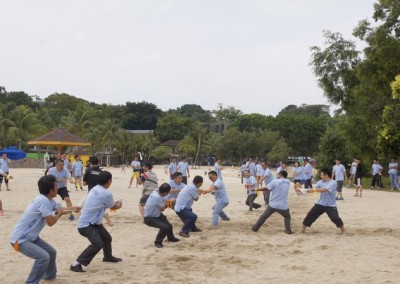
339,172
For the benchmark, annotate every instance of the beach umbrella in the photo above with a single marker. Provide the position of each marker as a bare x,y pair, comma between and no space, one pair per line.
13,153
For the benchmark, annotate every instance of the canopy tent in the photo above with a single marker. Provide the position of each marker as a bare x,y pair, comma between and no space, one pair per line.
59,137
13,153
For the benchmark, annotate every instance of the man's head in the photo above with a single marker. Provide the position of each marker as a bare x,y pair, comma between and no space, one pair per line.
283,166
198,181
184,159
48,186
177,177
247,173
375,161
4,156
59,164
147,166
337,161
305,161
164,189
282,174
135,158
393,160
64,156
264,165
213,176
326,174
296,164
105,179
77,157
94,161
173,160
218,160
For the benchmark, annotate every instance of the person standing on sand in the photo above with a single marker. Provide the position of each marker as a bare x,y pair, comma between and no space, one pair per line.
77,170
62,176
394,178
183,206
25,236
183,167
339,174
153,216
217,167
5,164
221,198
90,223
326,203
357,178
279,201
353,170
267,177
172,168
250,183
307,173
136,171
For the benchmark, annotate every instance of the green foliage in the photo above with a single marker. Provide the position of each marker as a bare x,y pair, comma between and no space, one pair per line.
311,110
187,146
195,112
229,113
173,127
162,153
253,122
142,115
395,85
333,146
279,152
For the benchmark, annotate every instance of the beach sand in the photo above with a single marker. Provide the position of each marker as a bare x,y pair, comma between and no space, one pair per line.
232,253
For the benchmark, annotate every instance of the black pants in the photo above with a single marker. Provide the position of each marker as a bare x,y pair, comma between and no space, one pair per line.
184,179
376,179
161,223
308,183
5,180
250,201
99,239
266,194
318,210
268,212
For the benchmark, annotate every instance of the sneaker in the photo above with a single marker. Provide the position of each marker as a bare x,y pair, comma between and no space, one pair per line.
226,219
197,230
183,234
174,240
71,217
289,232
112,259
340,198
159,245
77,268
337,198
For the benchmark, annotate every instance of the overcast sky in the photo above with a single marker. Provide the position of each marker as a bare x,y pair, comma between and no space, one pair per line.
250,54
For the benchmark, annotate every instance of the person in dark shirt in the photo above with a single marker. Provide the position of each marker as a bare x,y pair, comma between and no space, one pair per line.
357,178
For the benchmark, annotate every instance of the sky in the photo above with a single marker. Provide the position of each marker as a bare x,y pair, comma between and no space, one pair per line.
250,54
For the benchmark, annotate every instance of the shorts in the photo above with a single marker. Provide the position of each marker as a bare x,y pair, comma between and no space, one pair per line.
136,174
143,200
339,185
357,181
78,177
63,192
5,180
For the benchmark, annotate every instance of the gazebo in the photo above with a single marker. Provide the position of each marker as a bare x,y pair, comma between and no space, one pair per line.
59,137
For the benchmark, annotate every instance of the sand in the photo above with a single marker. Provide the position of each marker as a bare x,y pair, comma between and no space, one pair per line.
368,253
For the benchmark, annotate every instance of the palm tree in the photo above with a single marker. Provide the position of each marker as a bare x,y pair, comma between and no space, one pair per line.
187,145
26,124
110,130
80,120
5,125
201,134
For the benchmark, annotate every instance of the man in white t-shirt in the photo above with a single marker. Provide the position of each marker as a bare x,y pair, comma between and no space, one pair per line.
393,173
353,171
339,174
183,168
376,169
136,171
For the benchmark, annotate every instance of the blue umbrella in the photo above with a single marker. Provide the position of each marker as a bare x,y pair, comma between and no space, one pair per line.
13,154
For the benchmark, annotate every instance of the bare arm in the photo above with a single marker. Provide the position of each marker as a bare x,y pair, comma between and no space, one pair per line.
51,220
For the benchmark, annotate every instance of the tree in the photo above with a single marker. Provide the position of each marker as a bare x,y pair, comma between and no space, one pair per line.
5,124
195,112
141,115
312,110
26,124
333,146
162,153
80,119
280,152
173,127
187,145
227,114
253,122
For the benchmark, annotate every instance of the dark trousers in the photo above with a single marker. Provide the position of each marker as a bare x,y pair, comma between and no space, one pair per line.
268,212
189,220
161,223
99,239
184,179
5,180
308,183
250,201
318,210
266,194
376,179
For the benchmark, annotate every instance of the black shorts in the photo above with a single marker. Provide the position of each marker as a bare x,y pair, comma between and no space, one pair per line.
297,181
339,185
63,192
143,200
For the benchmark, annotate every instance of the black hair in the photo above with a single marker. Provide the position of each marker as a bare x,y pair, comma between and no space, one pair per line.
94,160
212,173
198,179
306,160
76,156
104,177
164,188
327,172
148,165
59,161
176,174
46,184
283,174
